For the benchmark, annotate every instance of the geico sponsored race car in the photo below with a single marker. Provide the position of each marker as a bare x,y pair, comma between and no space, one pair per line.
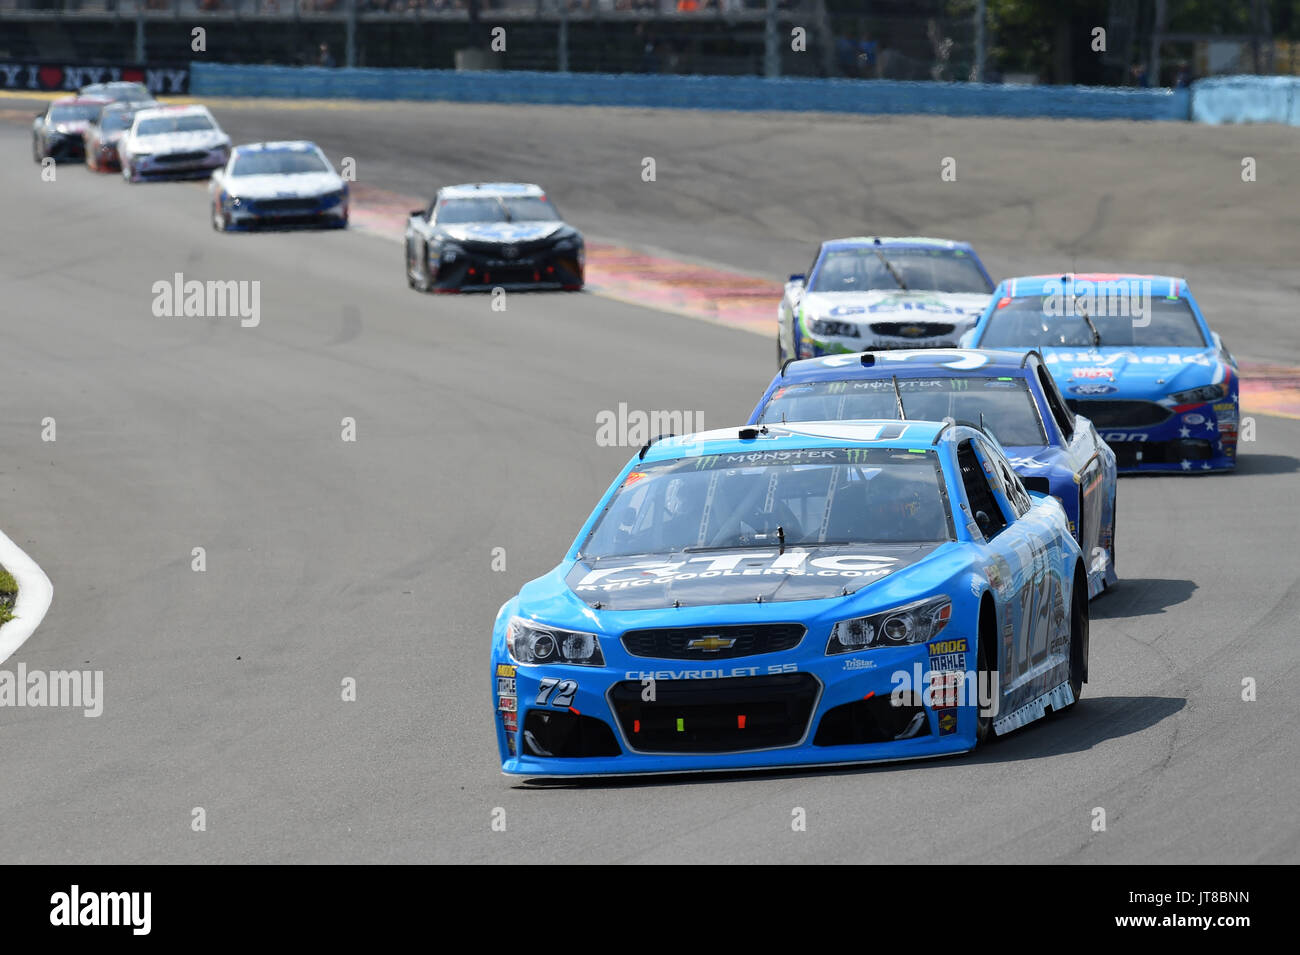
492,234
807,594
1134,354
105,131
57,131
289,183
1010,395
870,293
172,142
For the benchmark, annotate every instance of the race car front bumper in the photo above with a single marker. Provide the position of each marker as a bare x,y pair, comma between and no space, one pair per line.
458,269
179,165
744,713
65,146
1188,439
329,211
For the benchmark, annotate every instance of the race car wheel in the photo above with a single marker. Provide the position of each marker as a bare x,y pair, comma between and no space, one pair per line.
986,662
422,283
127,175
1114,518
1078,635
36,150
220,221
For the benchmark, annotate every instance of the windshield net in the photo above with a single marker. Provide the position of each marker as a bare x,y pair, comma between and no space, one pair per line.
766,498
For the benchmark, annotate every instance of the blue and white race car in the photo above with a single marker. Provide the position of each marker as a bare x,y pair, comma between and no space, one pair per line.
873,292
277,184
1134,354
813,594
1010,395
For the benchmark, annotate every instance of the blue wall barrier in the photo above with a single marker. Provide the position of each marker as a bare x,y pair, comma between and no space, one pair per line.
1247,99
692,92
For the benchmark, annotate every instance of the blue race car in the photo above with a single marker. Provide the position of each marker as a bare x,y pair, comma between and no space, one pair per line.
1010,395
874,292
795,595
1134,354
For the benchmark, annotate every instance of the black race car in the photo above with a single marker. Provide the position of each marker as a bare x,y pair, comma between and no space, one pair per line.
489,235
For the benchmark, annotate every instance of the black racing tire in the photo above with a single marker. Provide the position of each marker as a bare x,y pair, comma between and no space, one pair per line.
36,151
986,661
1078,636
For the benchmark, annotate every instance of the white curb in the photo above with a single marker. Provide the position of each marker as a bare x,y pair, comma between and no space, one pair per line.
34,595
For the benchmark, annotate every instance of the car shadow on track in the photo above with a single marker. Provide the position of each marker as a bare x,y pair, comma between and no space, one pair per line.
1090,722
1267,464
1140,597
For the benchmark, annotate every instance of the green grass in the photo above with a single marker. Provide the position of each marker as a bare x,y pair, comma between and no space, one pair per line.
8,594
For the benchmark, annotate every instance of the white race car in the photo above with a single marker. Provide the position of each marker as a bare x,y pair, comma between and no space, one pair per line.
173,142
871,292
275,184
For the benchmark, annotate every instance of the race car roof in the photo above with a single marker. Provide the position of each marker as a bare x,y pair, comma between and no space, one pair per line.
81,101
1162,286
895,242
909,363
470,190
190,110
802,434
288,145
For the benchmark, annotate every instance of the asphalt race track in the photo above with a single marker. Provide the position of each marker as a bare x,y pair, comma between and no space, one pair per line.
476,429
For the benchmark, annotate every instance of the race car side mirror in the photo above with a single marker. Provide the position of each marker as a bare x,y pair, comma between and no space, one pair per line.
798,277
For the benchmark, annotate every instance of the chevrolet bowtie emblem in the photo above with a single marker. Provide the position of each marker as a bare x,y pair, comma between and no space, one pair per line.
711,644
911,331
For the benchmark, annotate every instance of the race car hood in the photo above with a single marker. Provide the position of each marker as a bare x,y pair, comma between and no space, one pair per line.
960,308
501,231
1144,373
286,186
706,578
178,142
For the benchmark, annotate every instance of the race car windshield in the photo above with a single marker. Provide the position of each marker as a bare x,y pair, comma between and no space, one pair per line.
1004,404
1049,321
495,209
114,121
928,270
159,125
129,93
283,162
73,114
774,499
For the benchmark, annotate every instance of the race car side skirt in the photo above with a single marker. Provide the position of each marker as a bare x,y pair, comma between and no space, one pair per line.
1058,699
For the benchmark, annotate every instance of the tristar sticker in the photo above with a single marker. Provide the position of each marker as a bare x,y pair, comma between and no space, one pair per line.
791,563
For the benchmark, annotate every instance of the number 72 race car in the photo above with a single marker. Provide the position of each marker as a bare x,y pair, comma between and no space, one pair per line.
794,595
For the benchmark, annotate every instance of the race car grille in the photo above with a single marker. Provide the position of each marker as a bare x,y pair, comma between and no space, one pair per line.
712,643
567,735
285,205
1108,413
179,157
911,329
727,715
873,720
1130,454
505,251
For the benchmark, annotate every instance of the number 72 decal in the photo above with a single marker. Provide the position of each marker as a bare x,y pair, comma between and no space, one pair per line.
563,692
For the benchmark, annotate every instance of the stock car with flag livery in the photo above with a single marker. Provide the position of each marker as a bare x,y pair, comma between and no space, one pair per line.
1134,354
1010,395
873,292
492,234
794,595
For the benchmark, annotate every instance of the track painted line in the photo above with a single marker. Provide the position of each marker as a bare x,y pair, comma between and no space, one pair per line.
34,595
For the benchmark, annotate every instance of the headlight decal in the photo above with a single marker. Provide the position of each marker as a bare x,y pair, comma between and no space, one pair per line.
907,625
534,644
